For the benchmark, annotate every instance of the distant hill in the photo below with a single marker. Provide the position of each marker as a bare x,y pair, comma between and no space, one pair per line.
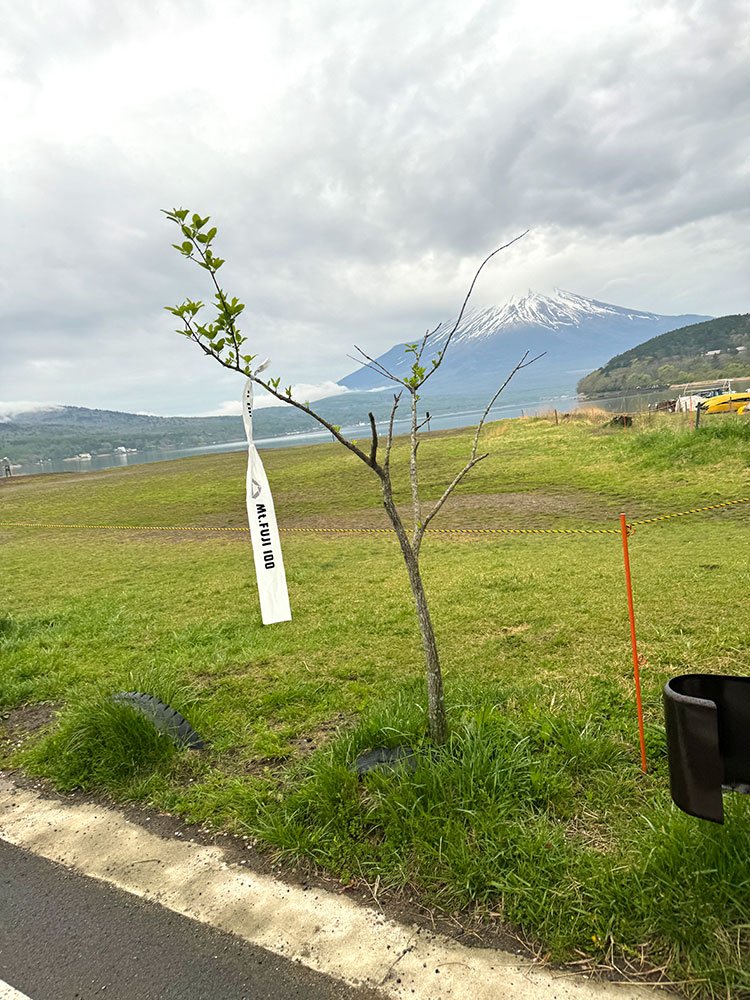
718,348
59,432
574,332
63,431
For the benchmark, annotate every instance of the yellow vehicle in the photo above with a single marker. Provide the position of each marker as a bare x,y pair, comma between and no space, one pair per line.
727,402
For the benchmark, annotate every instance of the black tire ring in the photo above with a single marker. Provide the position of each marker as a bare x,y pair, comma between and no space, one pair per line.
167,720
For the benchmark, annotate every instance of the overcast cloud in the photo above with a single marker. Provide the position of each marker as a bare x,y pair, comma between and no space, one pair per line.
358,160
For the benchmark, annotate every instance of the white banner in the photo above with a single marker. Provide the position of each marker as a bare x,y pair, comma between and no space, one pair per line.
264,532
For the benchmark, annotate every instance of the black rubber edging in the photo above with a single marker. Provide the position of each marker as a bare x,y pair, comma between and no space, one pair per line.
167,720
385,759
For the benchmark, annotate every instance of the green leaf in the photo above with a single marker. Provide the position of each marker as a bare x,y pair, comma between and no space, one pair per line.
211,233
187,247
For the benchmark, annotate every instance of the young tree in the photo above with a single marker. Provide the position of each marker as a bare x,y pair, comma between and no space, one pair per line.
221,339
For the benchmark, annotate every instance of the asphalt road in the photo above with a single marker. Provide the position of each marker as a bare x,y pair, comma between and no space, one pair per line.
64,936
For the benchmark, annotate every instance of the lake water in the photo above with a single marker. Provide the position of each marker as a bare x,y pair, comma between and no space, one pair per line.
461,418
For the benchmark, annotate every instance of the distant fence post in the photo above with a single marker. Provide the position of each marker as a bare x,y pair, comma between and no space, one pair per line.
633,643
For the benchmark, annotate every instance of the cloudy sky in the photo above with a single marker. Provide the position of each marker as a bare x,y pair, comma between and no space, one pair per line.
358,159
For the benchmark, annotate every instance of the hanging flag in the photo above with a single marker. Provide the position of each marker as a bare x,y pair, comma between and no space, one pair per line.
264,532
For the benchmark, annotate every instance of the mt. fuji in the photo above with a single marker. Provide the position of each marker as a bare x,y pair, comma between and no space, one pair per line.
575,332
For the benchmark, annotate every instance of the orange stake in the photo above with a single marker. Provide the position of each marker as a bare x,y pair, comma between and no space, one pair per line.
636,660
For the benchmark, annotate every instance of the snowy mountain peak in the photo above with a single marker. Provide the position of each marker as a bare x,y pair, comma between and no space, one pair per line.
560,309
569,330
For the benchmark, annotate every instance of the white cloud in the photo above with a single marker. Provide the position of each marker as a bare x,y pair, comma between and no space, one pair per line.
8,410
302,391
359,159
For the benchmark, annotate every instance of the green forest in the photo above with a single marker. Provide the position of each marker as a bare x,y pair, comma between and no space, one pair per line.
677,356
62,431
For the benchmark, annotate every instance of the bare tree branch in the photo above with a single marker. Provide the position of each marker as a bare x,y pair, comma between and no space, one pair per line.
474,459
389,439
374,432
523,363
413,473
420,349
375,365
488,258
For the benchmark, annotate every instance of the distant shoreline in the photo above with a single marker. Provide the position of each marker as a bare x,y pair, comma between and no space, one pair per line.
460,419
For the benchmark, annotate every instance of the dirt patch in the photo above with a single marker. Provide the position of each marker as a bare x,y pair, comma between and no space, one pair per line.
18,724
309,742
236,761
532,509
518,509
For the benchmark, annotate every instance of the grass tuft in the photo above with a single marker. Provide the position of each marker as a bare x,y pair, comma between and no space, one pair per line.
538,819
103,744
100,745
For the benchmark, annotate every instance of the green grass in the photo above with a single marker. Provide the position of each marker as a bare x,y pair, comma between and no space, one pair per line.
537,813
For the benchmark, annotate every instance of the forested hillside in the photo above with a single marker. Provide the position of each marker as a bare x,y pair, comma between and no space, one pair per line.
684,355
62,431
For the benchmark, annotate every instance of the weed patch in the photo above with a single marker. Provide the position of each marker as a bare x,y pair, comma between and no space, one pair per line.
537,819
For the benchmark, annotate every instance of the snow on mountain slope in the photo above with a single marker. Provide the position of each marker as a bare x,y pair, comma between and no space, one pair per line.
549,311
573,331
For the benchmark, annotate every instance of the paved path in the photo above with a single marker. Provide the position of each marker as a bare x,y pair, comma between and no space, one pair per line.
64,936
327,933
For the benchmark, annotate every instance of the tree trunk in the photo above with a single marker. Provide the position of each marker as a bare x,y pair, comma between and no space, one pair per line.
436,716
435,698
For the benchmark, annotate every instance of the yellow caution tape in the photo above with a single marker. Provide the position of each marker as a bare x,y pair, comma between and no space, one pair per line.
114,527
694,510
377,531
315,531
467,531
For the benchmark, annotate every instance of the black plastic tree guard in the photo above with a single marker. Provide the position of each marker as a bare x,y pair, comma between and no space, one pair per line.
708,741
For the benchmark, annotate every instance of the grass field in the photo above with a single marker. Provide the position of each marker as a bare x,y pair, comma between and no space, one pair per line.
536,815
